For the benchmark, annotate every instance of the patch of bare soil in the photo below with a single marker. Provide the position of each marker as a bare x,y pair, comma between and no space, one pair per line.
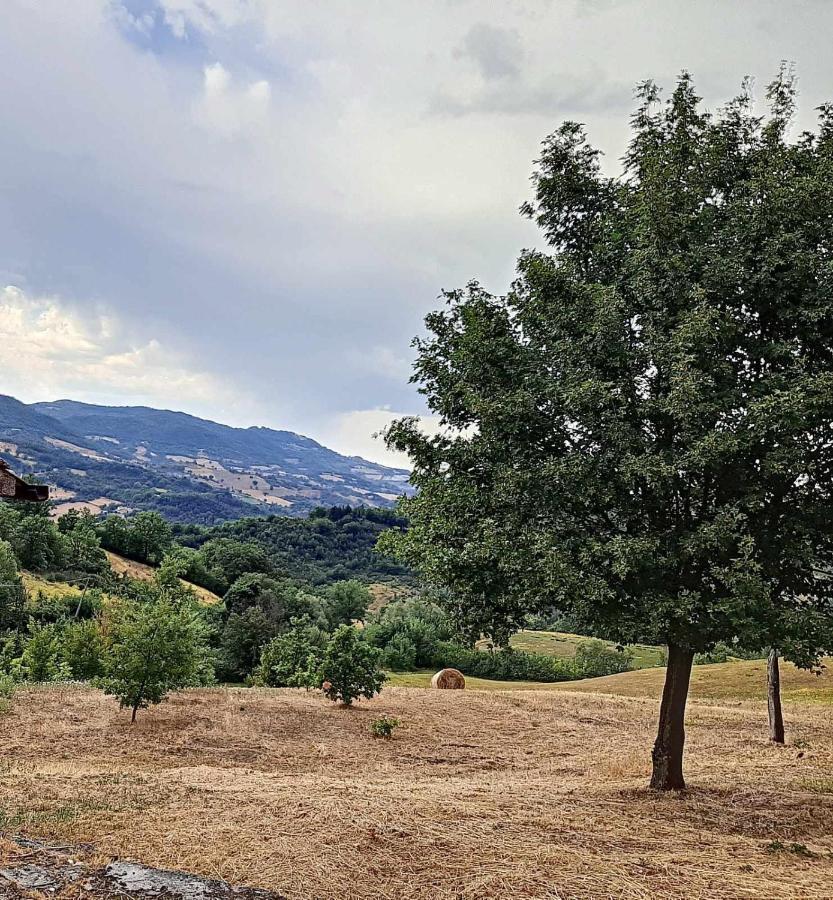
478,795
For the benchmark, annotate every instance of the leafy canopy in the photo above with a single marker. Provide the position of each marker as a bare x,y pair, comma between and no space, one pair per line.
350,668
641,431
154,646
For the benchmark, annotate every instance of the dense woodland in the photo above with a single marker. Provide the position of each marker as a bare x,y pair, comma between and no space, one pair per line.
285,591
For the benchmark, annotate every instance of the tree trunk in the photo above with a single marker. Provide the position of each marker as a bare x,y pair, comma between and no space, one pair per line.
133,717
667,755
773,693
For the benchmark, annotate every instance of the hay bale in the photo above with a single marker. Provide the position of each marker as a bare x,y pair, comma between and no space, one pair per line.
448,680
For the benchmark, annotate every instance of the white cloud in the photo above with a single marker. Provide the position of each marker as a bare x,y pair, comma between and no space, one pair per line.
229,110
50,350
357,433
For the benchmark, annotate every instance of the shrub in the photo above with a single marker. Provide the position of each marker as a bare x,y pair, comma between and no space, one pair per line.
383,727
241,643
351,667
595,658
503,665
40,660
406,624
7,688
292,659
82,650
400,654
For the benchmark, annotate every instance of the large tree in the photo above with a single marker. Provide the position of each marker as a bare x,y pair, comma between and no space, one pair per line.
640,432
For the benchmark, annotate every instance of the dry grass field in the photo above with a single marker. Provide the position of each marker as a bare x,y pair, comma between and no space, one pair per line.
480,793
121,565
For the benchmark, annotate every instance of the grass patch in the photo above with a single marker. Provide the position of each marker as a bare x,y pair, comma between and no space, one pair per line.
739,680
423,680
563,645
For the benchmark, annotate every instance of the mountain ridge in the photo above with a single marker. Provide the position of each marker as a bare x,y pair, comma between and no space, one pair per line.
191,469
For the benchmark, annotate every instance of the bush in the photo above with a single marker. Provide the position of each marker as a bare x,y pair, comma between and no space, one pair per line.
351,667
721,653
503,665
7,687
292,659
82,650
383,727
409,631
400,654
596,658
41,660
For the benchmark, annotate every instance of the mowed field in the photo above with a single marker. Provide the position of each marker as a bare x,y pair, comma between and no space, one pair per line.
500,793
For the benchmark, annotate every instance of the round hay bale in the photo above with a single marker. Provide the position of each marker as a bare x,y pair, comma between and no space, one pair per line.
448,680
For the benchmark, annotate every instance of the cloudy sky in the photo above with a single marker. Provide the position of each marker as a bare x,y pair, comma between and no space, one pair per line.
244,208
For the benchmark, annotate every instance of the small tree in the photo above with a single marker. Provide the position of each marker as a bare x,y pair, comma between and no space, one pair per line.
154,647
351,667
82,649
346,602
39,661
293,659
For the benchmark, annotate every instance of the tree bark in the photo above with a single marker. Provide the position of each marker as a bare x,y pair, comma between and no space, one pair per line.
667,755
773,693
133,717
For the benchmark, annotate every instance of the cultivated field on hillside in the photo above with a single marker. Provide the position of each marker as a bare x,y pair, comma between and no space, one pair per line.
480,794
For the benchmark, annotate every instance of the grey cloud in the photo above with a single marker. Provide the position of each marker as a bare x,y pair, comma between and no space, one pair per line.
497,52
563,95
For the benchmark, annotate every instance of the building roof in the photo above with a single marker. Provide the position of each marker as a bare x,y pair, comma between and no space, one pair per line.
14,488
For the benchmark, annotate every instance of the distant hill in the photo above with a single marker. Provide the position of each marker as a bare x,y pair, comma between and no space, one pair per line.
189,469
331,545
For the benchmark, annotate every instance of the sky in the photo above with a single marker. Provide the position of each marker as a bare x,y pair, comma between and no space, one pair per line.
244,209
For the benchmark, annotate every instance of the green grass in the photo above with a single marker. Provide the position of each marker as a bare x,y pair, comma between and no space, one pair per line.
561,644
423,680
739,680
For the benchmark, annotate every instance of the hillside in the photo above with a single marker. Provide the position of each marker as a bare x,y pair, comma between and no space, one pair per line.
330,545
188,469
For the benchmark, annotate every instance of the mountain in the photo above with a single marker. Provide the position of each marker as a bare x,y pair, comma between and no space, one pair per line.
191,470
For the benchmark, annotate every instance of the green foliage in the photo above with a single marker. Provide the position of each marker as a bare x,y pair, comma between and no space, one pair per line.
12,594
241,643
226,560
400,654
293,659
150,537
154,647
408,631
38,544
384,726
41,660
331,545
350,668
7,689
145,537
722,652
595,658
346,602
503,665
82,549
638,432
82,649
